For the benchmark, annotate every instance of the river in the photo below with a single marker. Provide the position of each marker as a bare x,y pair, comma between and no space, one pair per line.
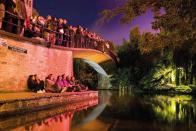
120,111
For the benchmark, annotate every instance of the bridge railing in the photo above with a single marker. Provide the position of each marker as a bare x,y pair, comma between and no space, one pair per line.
14,24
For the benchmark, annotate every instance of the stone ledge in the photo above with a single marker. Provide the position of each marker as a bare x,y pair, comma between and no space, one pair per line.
14,103
26,119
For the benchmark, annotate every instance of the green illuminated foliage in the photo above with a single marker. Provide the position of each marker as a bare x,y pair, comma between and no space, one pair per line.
168,57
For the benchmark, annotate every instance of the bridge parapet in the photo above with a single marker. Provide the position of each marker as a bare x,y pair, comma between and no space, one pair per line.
52,38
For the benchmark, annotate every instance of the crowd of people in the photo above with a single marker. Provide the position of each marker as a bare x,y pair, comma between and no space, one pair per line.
51,85
57,32
50,29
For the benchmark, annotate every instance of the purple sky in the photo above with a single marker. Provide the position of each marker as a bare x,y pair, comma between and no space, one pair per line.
116,31
86,13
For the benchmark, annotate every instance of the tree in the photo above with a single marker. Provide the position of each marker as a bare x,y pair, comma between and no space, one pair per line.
175,19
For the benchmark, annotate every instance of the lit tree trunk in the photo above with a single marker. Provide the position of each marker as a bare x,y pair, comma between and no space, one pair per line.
177,77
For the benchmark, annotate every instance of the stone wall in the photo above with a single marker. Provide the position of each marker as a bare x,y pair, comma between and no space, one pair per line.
16,64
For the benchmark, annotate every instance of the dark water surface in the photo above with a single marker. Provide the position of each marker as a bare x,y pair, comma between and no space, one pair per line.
116,111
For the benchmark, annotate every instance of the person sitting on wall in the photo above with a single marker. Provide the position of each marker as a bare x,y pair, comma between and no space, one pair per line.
75,84
59,83
39,84
78,84
66,85
65,82
50,85
70,86
31,83
35,84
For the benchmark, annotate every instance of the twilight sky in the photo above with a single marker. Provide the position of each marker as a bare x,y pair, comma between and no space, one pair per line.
86,13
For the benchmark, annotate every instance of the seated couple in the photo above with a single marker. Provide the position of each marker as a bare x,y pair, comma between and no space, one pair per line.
62,84
35,84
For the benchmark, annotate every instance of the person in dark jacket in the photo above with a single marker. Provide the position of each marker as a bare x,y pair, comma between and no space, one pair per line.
39,83
60,32
35,84
10,20
78,37
31,83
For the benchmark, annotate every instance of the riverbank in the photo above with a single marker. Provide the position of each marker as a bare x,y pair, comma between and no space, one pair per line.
169,89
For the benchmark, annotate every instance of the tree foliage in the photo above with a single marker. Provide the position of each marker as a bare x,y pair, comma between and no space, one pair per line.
175,21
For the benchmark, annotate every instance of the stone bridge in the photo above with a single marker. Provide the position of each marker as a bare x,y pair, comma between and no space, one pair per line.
21,57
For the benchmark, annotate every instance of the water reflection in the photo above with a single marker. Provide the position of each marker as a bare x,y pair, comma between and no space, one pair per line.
120,111
58,123
58,118
126,111
104,99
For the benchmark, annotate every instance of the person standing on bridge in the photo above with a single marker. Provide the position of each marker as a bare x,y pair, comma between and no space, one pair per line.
66,34
52,26
71,36
78,37
86,38
22,16
60,32
10,20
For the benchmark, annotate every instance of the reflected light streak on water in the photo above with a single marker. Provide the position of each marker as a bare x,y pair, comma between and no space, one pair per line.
104,101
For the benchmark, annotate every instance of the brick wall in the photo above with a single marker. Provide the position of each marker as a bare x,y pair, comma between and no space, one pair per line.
15,67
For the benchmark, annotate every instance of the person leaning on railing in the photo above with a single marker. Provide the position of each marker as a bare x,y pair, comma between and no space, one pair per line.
86,39
10,21
29,27
78,36
21,15
66,37
82,41
48,34
60,32
72,36
41,22
29,32
52,26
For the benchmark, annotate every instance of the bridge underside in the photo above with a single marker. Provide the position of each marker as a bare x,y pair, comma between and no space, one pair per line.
92,55
101,62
